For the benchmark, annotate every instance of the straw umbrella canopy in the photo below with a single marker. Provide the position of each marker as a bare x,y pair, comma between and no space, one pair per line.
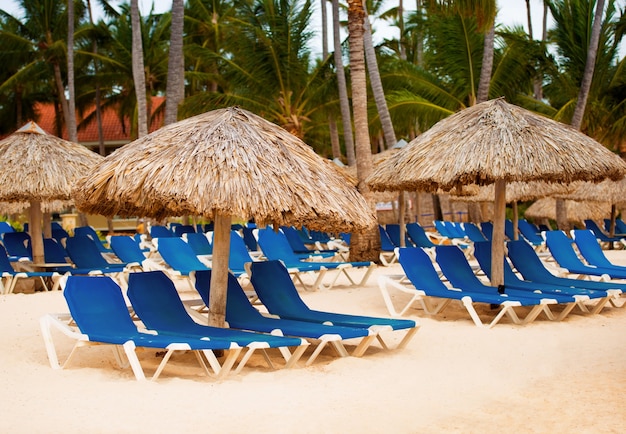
613,192
576,211
495,143
38,167
224,164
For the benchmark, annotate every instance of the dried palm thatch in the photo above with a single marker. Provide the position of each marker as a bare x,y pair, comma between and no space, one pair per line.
516,192
496,142
230,162
608,190
38,167
223,164
577,212
48,207
493,141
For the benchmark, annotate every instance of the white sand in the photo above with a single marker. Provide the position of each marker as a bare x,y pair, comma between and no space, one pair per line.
544,377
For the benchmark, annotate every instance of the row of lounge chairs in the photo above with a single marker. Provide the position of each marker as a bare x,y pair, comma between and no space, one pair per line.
98,314
528,284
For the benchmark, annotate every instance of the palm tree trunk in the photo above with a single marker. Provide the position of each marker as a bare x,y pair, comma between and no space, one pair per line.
71,120
583,94
377,85
344,102
175,89
592,52
332,125
486,67
364,246
401,28
138,70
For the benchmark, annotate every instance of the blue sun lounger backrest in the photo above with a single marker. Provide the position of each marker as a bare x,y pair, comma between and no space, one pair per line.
238,255
562,251
473,232
590,249
158,305
15,244
276,247
98,307
179,255
91,233
85,254
386,244
455,267
419,269
237,304
418,235
277,292
127,249
530,232
199,243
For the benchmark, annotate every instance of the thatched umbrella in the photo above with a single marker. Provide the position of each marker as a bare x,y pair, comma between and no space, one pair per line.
38,167
496,142
516,192
613,192
576,211
223,164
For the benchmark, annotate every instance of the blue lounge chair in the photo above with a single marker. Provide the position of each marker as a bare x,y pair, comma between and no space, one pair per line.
600,234
9,276
592,252
460,275
300,249
155,301
97,307
249,238
91,233
88,260
179,230
387,247
394,232
428,286
532,234
473,232
16,244
199,244
487,229
5,227
418,236
526,261
160,231
276,247
242,315
60,235
568,296
278,294
180,258
563,252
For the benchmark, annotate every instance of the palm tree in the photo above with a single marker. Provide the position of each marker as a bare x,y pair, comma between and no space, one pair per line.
264,66
176,64
366,245
592,52
138,70
344,102
41,37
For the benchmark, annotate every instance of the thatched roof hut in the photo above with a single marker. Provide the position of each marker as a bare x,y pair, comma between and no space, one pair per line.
38,167
223,164
496,142
577,212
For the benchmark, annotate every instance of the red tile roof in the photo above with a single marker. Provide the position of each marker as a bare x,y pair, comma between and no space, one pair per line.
115,132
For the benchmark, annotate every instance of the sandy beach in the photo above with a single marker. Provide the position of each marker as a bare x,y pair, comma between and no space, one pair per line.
544,377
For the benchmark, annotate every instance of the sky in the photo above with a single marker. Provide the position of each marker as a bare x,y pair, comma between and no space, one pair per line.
511,12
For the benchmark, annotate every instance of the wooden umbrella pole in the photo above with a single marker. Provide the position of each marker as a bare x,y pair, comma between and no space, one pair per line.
219,276
401,205
497,252
34,229
515,221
